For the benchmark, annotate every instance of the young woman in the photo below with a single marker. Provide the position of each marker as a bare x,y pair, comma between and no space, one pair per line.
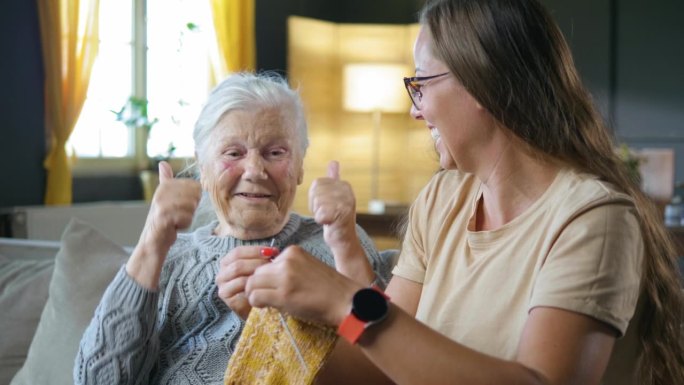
532,258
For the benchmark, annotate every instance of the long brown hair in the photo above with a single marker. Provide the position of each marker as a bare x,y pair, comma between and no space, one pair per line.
512,57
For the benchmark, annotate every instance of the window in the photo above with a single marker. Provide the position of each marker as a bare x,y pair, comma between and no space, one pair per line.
156,50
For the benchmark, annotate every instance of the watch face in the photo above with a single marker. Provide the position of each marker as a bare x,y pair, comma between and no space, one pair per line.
368,305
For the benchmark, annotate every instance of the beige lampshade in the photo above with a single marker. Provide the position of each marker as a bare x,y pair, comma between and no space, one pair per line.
375,87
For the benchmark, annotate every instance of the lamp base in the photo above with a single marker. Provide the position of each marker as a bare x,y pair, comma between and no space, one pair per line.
378,206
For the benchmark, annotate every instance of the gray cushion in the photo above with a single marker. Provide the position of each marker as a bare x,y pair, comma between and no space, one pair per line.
85,264
23,293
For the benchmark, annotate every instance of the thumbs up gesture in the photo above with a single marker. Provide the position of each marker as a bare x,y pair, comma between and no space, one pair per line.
173,207
332,202
333,205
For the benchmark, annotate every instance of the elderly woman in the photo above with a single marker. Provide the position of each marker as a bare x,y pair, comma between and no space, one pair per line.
174,312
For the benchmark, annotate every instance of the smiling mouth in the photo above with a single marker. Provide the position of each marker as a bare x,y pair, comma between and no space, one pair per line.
250,195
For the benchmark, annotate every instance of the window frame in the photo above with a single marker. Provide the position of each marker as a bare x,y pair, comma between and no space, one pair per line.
138,160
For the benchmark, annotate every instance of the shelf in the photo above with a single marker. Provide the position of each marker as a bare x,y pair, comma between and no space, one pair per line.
380,225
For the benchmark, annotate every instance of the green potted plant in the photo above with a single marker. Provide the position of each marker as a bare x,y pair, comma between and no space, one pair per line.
134,115
631,161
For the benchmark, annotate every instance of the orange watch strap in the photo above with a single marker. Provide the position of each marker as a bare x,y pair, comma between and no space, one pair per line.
351,328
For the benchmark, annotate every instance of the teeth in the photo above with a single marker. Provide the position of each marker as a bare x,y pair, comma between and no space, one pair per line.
254,195
434,133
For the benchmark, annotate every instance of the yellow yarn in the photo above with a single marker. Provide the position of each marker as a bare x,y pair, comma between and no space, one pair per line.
265,355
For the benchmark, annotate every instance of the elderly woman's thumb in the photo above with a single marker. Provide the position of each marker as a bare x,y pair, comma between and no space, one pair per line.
165,171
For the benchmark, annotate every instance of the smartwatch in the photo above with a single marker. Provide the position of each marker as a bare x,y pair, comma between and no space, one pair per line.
369,306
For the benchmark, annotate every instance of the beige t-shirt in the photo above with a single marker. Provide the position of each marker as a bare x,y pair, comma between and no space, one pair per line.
578,247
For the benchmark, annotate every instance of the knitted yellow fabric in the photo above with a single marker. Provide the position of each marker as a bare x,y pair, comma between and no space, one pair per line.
265,355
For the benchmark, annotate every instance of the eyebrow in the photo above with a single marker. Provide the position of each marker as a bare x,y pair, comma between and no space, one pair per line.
229,140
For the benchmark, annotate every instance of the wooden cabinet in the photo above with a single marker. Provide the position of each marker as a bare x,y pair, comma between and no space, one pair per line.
385,229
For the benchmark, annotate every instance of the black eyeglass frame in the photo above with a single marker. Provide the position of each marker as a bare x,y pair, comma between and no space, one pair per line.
414,89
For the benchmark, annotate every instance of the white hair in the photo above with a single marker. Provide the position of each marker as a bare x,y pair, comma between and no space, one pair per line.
243,91
249,91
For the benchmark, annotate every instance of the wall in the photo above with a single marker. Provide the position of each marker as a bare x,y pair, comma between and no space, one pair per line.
318,52
628,51
587,27
271,21
22,141
630,55
649,77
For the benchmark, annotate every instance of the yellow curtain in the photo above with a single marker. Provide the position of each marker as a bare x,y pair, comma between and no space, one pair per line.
69,35
234,25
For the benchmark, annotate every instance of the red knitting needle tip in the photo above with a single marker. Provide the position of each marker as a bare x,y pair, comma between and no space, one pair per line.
269,252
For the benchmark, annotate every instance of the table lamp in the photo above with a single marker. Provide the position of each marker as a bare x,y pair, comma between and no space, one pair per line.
376,88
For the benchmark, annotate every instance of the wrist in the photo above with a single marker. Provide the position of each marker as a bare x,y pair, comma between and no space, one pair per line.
378,282
369,306
144,267
345,247
369,336
343,305
355,266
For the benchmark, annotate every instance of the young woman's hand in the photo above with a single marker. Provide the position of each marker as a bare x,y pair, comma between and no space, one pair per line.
299,284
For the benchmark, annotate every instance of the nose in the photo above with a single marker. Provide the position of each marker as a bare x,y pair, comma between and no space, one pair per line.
415,113
254,167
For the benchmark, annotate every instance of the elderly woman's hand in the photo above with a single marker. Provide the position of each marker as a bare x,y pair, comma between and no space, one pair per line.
234,270
172,208
333,205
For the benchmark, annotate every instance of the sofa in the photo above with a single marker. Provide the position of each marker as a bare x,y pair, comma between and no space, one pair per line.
52,279
53,272
25,271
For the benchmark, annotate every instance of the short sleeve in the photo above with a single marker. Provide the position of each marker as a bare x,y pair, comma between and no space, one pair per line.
594,266
412,259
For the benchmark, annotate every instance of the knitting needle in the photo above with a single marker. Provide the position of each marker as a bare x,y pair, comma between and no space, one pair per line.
289,332
294,343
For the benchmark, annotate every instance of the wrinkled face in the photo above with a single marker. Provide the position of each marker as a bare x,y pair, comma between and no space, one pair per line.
460,126
251,171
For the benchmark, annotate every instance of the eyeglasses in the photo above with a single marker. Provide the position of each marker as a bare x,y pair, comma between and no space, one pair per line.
414,84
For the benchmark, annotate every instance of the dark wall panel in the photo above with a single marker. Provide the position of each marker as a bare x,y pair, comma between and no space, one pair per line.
271,21
22,143
586,25
650,72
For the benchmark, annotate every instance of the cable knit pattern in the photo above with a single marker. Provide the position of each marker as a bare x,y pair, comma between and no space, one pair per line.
183,333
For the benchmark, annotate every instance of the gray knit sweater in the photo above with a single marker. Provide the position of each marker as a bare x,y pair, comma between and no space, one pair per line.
183,333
